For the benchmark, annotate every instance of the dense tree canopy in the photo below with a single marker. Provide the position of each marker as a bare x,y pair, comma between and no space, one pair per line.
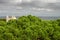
30,28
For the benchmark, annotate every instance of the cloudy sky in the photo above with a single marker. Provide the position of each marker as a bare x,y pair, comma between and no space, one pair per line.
26,7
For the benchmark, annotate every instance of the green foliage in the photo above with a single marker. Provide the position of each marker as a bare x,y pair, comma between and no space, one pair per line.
3,23
30,28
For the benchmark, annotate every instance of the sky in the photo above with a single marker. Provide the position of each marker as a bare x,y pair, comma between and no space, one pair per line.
27,7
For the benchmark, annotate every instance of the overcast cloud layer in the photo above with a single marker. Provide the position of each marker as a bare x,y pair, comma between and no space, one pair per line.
34,7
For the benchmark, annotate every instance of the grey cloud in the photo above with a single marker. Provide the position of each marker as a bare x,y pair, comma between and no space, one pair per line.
7,2
32,4
4,1
39,4
7,7
55,6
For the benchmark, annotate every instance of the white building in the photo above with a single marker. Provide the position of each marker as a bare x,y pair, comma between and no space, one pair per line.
10,18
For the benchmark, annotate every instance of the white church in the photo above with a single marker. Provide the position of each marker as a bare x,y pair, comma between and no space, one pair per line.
10,18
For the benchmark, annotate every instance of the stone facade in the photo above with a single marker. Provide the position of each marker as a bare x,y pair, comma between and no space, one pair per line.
10,18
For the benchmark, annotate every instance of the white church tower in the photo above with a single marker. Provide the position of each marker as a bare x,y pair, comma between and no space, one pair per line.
10,18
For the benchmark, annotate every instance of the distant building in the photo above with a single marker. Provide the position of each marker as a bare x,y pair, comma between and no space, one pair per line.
9,18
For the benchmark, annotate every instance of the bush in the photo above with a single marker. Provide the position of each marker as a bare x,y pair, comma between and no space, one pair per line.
30,28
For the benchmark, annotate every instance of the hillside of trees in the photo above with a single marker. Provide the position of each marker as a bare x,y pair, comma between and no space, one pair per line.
30,28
